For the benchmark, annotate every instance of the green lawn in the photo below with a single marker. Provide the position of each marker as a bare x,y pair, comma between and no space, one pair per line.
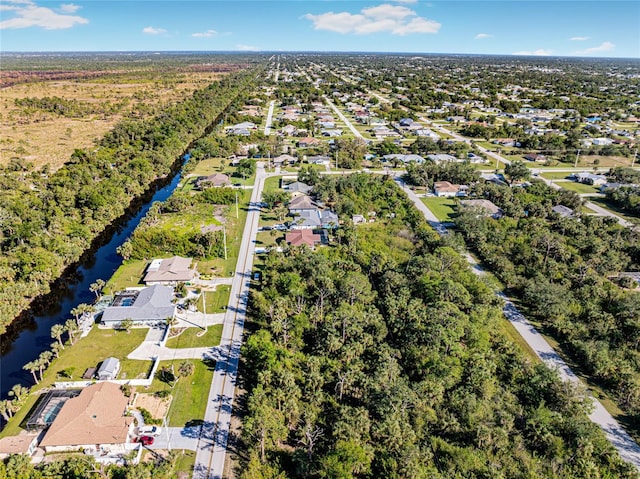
216,300
613,208
579,188
554,175
189,394
271,184
443,208
189,338
129,274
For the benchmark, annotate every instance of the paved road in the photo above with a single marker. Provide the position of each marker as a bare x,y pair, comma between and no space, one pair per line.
343,118
177,438
212,443
626,446
267,127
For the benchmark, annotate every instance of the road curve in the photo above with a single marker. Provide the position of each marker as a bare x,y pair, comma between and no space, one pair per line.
617,436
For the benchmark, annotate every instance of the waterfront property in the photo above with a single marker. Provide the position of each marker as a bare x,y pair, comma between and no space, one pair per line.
146,305
169,271
93,420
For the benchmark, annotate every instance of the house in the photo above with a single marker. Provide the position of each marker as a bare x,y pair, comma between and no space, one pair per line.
302,203
535,157
590,178
358,219
284,160
289,130
331,133
303,237
602,141
297,188
109,369
328,219
21,444
94,420
307,142
406,122
319,160
562,211
427,133
153,303
495,178
445,189
216,180
487,206
169,271
440,157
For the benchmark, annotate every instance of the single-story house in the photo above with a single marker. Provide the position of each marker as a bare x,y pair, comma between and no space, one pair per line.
358,219
169,271
153,303
445,189
308,141
282,160
109,369
495,178
303,237
562,211
535,157
307,219
289,130
94,419
21,444
440,157
589,178
406,122
302,203
297,188
216,180
489,207
319,160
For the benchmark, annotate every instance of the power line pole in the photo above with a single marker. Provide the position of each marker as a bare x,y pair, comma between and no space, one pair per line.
224,238
635,156
237,204
575,165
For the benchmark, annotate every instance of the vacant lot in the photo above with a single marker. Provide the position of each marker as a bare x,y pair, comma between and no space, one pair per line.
31,134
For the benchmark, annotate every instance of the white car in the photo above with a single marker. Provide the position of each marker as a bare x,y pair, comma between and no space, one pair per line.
149,430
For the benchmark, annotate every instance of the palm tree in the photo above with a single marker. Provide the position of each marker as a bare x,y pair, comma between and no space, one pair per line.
76,313
97,287
171,321
57,330
186,368
18,392
72,329
6,409
43,361
55,349
32,367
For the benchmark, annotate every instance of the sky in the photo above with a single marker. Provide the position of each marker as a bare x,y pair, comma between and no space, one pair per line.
587,28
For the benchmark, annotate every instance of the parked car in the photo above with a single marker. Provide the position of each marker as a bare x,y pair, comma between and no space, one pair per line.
149,430
145,440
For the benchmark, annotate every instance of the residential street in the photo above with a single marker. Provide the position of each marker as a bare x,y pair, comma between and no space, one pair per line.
267,127
626,446
214,434
343,118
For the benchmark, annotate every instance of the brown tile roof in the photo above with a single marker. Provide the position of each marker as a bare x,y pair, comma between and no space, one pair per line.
96,416
16,444
171,269
300,237
445,187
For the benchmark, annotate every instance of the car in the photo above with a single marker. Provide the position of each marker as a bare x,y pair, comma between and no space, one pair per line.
149,430
257,275
145,440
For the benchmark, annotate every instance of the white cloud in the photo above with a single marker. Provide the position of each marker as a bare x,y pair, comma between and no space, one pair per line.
247,48
603,47
579,39
394,19
69,8
406,1
207,34
480,36
153,31
540,52
28,14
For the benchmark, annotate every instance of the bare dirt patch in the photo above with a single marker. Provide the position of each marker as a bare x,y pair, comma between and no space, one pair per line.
44,138
158,407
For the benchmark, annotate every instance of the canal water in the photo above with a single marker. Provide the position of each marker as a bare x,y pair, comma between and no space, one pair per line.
34,335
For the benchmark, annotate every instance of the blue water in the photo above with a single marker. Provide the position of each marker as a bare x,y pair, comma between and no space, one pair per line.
36,337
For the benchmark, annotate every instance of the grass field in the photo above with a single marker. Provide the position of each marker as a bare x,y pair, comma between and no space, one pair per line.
216,300
579,188
45,138
189,338
602,201
555,175
129,274
443,208
189,394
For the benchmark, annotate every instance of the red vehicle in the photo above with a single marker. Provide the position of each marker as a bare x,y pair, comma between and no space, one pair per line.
145,440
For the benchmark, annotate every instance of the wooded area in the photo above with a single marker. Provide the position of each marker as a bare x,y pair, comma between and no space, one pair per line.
382,357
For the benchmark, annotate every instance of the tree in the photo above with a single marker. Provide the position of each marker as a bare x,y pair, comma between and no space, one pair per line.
517,171
32,367
57,330
19,392
6,410
126,325
43,361
97,287
186,368
72,329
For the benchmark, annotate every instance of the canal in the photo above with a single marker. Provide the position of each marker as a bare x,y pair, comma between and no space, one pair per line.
25,342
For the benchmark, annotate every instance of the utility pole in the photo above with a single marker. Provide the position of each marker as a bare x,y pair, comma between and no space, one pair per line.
237,204
635,156
224,238
575,165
